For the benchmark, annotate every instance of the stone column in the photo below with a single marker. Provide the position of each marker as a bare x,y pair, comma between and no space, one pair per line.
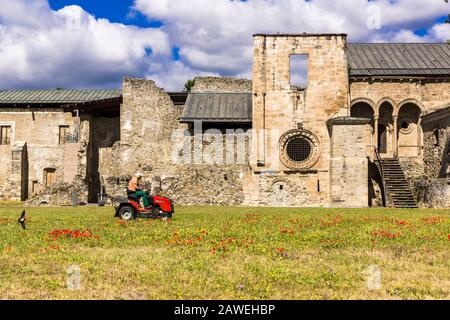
419,137
395,138
375,130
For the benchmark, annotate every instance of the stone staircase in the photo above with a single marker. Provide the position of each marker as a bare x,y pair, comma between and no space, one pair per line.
397,188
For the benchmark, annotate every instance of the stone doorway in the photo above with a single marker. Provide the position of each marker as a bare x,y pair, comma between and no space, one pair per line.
382,139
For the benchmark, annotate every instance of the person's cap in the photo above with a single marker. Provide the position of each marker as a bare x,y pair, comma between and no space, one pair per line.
139,174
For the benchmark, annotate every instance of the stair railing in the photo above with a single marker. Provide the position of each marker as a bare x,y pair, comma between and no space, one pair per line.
383,181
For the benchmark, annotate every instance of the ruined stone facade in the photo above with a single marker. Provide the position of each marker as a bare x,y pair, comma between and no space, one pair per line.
311,146
33,153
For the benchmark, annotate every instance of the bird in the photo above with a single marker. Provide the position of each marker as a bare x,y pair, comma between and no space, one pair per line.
22,220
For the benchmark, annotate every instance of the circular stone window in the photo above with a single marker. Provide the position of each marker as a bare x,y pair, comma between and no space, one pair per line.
405,125
299,149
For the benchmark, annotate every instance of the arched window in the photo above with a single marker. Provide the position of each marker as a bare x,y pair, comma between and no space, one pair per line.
362,110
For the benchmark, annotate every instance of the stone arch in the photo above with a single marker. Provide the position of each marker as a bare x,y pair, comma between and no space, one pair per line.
362,108
384,100
409,134
410,101
365,100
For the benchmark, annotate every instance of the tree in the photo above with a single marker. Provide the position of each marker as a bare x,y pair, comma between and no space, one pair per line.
189,85
448,19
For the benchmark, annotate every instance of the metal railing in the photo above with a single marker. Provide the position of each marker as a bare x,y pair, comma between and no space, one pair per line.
383,181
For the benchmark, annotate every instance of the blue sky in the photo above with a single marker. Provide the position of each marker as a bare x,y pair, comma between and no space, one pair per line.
113,10
94,44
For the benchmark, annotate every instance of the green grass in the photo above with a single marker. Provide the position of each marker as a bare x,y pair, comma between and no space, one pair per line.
8,203
227,253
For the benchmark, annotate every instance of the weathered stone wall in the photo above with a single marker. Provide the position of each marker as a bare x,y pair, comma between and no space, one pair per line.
191,169
431,95
349,163
436,128
64,193
286,190
39,129
275,104
14,186
70,161
5,162
430,177
412,168
279,107
432,193
221,84
148,120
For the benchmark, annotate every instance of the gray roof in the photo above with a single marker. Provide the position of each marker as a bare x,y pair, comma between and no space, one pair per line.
399,59
218,107
57,96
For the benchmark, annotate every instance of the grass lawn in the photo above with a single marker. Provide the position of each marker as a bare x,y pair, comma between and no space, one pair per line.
226,253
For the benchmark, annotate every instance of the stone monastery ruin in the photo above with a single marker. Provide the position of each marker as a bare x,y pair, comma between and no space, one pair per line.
370,128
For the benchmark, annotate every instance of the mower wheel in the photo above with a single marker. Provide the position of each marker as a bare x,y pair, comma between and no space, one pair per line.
126,213
166,216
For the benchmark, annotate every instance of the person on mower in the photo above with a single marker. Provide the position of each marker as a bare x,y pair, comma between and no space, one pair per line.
135,190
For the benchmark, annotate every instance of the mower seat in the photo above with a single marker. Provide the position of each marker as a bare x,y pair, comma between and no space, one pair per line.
134,198
131,196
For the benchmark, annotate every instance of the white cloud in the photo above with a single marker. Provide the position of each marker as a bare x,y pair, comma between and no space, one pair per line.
40,47
173,76
217,35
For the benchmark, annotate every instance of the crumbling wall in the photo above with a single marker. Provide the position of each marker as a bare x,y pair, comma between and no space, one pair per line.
63,193
430,179
437,144
191,169
148,120
221,84
39,129
432,193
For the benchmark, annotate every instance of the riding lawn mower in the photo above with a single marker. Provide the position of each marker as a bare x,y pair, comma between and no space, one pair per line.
130,207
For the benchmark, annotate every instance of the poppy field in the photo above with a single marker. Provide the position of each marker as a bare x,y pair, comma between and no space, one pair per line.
226,253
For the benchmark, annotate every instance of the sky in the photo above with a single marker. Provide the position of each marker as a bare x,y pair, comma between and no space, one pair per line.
94,44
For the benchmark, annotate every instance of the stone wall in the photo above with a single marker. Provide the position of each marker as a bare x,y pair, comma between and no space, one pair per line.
430,178
14,186
436,127
39,129
279,107
432,95
64,193
432,193
221,84
349,164
5,162
148,121
284,190
191,169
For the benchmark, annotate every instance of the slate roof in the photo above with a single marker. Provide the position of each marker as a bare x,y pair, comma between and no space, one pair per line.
57,96
218,107
399,59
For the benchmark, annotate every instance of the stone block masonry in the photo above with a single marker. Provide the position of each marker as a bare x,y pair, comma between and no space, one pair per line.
349,162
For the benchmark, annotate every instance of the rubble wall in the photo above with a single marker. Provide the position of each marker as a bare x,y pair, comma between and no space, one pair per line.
221,84
191,169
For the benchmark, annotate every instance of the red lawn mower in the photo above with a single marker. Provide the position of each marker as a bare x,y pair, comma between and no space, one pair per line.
130,207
